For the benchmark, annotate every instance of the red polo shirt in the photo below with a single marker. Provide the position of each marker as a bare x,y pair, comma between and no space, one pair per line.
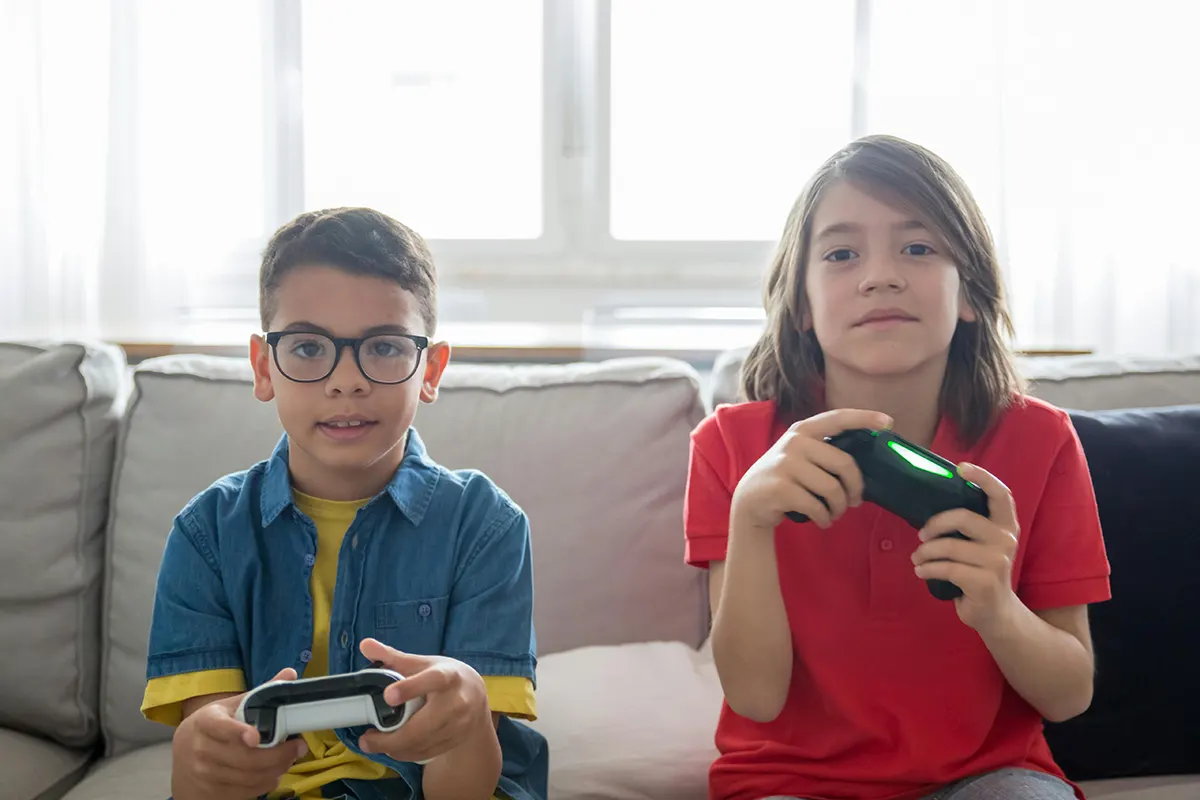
892,696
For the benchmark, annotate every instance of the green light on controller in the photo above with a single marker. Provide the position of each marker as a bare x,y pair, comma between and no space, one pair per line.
919,461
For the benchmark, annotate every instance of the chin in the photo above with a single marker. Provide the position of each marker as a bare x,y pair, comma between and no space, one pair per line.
889,362
351,455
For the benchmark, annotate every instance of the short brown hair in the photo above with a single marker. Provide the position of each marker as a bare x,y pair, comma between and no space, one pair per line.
359,241
786,363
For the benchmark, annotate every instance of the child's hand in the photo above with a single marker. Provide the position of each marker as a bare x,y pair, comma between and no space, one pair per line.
981,567
801,466
456,704
215,755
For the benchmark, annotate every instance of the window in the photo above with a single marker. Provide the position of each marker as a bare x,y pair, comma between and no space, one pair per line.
716,119
569,158
430,111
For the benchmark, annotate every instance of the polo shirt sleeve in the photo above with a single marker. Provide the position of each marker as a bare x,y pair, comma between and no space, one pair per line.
489,623
191,626
1065,562
708,496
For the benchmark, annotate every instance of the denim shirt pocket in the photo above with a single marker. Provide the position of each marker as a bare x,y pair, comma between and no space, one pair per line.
413,626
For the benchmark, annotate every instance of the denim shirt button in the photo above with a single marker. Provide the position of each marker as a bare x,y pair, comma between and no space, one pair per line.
424,610
306,656
309,560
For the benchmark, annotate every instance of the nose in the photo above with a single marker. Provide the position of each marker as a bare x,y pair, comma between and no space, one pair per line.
881,273
346,377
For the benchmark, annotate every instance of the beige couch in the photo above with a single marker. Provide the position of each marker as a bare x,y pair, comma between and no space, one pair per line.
96,458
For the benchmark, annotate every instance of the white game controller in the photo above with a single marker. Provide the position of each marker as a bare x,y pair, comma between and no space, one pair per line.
281,709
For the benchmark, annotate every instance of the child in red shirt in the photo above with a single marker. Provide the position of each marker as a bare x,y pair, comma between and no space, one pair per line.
843,676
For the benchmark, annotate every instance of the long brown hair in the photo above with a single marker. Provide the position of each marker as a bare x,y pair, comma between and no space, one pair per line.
786,363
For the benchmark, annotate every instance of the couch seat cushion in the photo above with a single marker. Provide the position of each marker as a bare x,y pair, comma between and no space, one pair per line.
143,774
37,769
630,722
1179,787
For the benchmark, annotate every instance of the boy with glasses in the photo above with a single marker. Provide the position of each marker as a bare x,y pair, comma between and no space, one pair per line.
349,546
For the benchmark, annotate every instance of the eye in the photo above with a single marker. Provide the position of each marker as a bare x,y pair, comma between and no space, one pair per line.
309,348
918,250
387,347
384,349
840,254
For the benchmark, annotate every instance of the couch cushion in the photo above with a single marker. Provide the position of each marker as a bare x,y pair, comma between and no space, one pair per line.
1176,787
62,406
1145,717
595,453
144,774
37,769
1083,382
655,744
1096,382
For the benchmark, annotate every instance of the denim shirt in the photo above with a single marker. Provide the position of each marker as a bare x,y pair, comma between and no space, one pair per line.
439,563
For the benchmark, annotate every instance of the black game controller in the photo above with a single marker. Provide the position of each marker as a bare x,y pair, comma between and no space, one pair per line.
910,482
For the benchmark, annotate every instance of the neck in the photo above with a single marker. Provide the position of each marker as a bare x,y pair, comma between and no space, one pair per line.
910,399
341,483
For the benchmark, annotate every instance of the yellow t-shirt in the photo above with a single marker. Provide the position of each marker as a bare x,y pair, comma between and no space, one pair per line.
327,760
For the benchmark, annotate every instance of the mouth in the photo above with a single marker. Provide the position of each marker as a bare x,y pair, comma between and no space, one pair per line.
346,428
884,317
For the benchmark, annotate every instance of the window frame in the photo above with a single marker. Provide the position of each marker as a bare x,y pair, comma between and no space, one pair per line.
576,245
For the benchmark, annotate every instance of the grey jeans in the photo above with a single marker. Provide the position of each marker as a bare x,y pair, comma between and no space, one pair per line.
1003,784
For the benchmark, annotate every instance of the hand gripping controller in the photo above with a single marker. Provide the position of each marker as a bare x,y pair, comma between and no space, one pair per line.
910,482
281,709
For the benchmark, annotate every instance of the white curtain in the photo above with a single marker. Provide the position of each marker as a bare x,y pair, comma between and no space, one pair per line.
130,170
141,142
53,147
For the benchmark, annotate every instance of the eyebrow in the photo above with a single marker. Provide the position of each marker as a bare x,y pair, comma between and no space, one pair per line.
303,326
838,228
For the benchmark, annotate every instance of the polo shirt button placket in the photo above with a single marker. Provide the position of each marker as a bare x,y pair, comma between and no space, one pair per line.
886,545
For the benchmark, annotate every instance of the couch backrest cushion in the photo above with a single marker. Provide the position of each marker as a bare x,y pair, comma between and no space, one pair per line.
1082,382
596,454
60,408
1145,717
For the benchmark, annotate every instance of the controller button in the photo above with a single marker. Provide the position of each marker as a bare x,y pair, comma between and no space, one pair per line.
424,609
885,545
306,656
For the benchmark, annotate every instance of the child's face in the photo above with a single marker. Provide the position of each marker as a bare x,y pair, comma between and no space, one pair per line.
884,296
324,449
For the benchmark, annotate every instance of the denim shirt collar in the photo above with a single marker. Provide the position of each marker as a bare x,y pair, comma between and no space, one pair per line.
411,487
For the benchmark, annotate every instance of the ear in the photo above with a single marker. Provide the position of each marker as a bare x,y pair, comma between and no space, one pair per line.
966,312
437,356
260,360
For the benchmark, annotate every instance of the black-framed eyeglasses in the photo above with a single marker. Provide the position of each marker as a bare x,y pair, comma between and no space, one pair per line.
310,357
